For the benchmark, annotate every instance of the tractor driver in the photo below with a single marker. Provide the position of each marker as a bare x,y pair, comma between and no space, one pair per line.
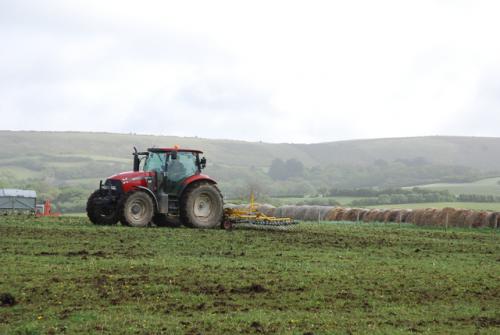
176,170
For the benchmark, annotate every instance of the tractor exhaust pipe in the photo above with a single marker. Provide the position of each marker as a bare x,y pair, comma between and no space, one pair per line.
137,161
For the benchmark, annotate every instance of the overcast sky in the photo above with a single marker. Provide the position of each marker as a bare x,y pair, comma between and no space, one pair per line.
276,71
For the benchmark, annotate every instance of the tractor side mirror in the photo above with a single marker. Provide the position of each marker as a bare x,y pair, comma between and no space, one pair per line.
173,155
203,162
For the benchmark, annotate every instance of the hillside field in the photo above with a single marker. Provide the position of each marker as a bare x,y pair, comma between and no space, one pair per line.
68,276
488,186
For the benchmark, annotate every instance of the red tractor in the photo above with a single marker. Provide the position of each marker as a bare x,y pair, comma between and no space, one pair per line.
169,185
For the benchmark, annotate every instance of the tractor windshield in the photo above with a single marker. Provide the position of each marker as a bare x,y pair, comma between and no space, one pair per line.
155,162
184,166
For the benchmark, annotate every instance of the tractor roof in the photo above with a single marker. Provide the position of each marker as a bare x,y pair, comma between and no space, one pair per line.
173,149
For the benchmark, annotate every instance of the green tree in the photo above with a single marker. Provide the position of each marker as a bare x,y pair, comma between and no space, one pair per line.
278,170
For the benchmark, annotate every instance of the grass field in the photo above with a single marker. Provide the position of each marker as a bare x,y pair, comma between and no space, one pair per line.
70,277
487,186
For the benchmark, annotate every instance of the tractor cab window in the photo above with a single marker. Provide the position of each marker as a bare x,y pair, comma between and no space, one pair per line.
182,167
155,162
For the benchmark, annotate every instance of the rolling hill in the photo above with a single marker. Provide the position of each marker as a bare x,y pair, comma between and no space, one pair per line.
51,161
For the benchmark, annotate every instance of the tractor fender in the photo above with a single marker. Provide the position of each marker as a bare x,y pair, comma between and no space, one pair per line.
194,180
148,191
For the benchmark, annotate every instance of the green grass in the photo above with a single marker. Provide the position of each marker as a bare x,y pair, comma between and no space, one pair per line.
487,186
492,206
71,277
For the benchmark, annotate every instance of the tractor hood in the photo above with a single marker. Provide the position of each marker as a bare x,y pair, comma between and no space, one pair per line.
131,176
133,179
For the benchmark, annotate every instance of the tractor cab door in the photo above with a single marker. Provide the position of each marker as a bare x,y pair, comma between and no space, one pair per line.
178,169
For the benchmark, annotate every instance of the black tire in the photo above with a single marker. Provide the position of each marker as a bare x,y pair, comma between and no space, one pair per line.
137,209
163,220
100,215
202,206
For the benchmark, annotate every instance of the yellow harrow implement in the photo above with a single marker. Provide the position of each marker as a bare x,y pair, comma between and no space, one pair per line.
250,215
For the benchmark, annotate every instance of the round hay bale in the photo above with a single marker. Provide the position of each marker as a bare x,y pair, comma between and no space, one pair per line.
340,214
417,216
350,215
380,217
362,214
371,215
473,219
482,220
323,212
429,213
331,214
410,218
443,217
459,219
494,220
490,219
393,215
405,214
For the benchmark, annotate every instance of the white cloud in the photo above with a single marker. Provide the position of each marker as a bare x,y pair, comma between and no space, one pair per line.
294,71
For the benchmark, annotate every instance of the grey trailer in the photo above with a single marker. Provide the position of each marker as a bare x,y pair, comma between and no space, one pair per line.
12,200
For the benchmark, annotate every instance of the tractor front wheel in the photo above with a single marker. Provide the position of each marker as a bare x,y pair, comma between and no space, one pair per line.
137,209
100,213
202,206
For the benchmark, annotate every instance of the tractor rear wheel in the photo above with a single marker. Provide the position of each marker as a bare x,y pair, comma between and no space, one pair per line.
202,206
98,213
137,209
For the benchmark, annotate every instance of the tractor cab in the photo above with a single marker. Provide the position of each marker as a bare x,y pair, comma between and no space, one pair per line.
172,166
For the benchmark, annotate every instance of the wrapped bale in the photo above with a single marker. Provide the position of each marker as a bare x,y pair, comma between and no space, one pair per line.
299,212
286,211
266,209
278,212
312,213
